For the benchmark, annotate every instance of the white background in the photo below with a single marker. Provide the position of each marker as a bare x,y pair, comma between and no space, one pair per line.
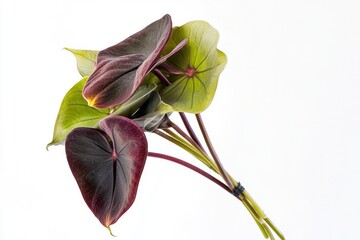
285,120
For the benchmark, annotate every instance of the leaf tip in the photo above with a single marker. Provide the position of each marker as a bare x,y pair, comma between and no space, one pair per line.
110,231
54,142
49,145
68,49
91,101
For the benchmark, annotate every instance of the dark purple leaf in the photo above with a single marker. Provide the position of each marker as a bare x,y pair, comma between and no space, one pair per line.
120,69
107,165
102,88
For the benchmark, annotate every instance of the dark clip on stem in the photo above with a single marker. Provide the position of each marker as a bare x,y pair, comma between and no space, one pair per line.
239,189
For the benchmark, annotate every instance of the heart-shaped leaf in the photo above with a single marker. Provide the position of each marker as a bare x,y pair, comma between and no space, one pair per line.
120,69
75,112
85,60
107,165
198,66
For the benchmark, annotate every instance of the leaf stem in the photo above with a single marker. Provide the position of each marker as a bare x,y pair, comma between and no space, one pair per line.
190,139
187,147
261,213
161,76
192,167
264,229
190,130
213,152
274,228
254,209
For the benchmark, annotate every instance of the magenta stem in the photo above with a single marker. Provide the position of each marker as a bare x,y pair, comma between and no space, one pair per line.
162,77
192,167
187,137
213,152
190,130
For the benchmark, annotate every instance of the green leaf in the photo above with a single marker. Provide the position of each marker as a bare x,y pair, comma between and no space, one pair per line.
85,60
198,66
131,106
145,108
75,112
151,114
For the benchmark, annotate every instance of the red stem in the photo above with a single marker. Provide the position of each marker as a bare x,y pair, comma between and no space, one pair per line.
162,77
190,130
213,152
184,135
192,167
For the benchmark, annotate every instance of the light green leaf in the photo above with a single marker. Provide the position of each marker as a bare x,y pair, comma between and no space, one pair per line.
75,112
85,60
198,66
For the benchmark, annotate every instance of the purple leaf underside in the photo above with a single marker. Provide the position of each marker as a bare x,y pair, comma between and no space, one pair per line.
142,49
107,165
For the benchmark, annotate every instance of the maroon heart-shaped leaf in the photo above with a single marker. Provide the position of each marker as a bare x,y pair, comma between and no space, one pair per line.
107,164
120,69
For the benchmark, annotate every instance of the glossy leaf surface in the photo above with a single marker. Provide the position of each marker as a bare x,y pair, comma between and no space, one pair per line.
120,69
107,165
75,112
198,66
85,60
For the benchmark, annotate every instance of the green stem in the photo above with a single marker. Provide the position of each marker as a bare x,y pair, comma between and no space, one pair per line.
264,229
261,213
193,146
255,205
189,140
254,209
187,147
274,228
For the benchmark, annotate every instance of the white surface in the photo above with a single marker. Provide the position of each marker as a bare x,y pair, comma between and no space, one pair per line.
285,120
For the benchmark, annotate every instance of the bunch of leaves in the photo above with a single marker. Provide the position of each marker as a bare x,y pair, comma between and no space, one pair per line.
131,88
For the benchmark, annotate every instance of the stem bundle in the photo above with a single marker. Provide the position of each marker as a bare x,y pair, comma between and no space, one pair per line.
191,144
